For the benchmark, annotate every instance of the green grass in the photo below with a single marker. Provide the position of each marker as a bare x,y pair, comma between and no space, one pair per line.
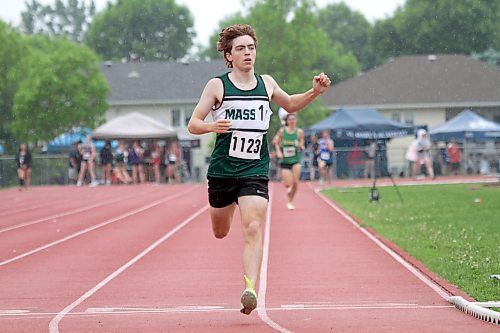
443,226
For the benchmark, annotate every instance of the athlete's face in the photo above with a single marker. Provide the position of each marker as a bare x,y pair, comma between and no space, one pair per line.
243,53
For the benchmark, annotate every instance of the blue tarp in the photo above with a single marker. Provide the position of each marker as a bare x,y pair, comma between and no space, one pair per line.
362,124
467,125
64,142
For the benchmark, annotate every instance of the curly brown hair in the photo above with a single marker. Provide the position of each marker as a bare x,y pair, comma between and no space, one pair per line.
227,35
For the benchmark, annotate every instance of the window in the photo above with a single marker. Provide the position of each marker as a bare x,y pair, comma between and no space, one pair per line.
396,116
176,117
187,116
409,118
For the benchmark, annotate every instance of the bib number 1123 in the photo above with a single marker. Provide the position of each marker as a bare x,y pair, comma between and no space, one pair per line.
246,145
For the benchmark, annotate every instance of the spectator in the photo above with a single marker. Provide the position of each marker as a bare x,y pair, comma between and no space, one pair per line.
438,163
453,156
314,157
370,153
423,146
75,161
23,162
106,156
156,160
87,150
355,161
121,159
172,160
136,155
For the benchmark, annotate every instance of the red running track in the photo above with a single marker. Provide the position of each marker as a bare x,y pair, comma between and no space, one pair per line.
142,259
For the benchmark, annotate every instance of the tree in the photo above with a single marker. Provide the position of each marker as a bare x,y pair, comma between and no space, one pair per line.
12,52
350,28
150,29
63,88
385,40
69,20
439,26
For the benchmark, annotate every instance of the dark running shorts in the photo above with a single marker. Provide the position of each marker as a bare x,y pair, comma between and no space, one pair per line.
224,191
287,166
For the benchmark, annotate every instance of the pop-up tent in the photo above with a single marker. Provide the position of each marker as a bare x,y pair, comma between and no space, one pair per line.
134,126
64,142
349,126
467,125
362,124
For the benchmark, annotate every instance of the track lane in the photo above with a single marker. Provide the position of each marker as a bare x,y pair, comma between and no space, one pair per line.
192,282
49,280
19,241
341,281
53,206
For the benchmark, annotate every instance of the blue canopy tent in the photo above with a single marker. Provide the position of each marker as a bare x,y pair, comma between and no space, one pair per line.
349,126
466,126
362,124
63,143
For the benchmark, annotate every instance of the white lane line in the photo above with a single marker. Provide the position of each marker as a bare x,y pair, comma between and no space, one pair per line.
54,323
70,212
97,226
20,313
176,309
261,306
360,306
384,247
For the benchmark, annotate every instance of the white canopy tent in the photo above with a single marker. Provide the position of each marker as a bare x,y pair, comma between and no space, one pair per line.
134,126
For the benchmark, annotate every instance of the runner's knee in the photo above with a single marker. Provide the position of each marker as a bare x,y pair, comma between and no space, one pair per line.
220,233
252,230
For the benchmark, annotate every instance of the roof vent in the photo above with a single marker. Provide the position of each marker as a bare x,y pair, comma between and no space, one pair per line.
431,57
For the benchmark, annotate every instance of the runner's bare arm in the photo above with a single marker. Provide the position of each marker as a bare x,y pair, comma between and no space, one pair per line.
212,95
277,143
294,103
300,134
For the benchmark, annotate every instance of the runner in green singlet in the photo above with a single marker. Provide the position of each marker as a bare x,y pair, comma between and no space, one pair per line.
289,144
239,165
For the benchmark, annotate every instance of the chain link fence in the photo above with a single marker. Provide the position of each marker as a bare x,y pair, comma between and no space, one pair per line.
48,169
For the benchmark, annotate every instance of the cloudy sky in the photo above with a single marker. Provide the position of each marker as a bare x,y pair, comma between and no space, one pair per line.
208,13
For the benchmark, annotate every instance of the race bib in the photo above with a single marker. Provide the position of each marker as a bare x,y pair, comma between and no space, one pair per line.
325,155
289,151
86,155
246,145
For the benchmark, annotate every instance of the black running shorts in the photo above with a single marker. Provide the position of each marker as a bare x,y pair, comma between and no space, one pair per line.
224,191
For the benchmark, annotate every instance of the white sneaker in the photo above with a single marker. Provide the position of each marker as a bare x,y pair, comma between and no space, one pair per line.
93,184
78,183
290,206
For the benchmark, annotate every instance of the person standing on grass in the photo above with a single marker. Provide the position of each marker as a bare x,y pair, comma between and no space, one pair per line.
23,162
289,143
423,147
239,102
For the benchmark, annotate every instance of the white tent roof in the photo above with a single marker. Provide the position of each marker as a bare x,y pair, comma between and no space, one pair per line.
133,126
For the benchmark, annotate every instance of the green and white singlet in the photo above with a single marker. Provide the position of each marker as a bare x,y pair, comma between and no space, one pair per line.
242,152
290,147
